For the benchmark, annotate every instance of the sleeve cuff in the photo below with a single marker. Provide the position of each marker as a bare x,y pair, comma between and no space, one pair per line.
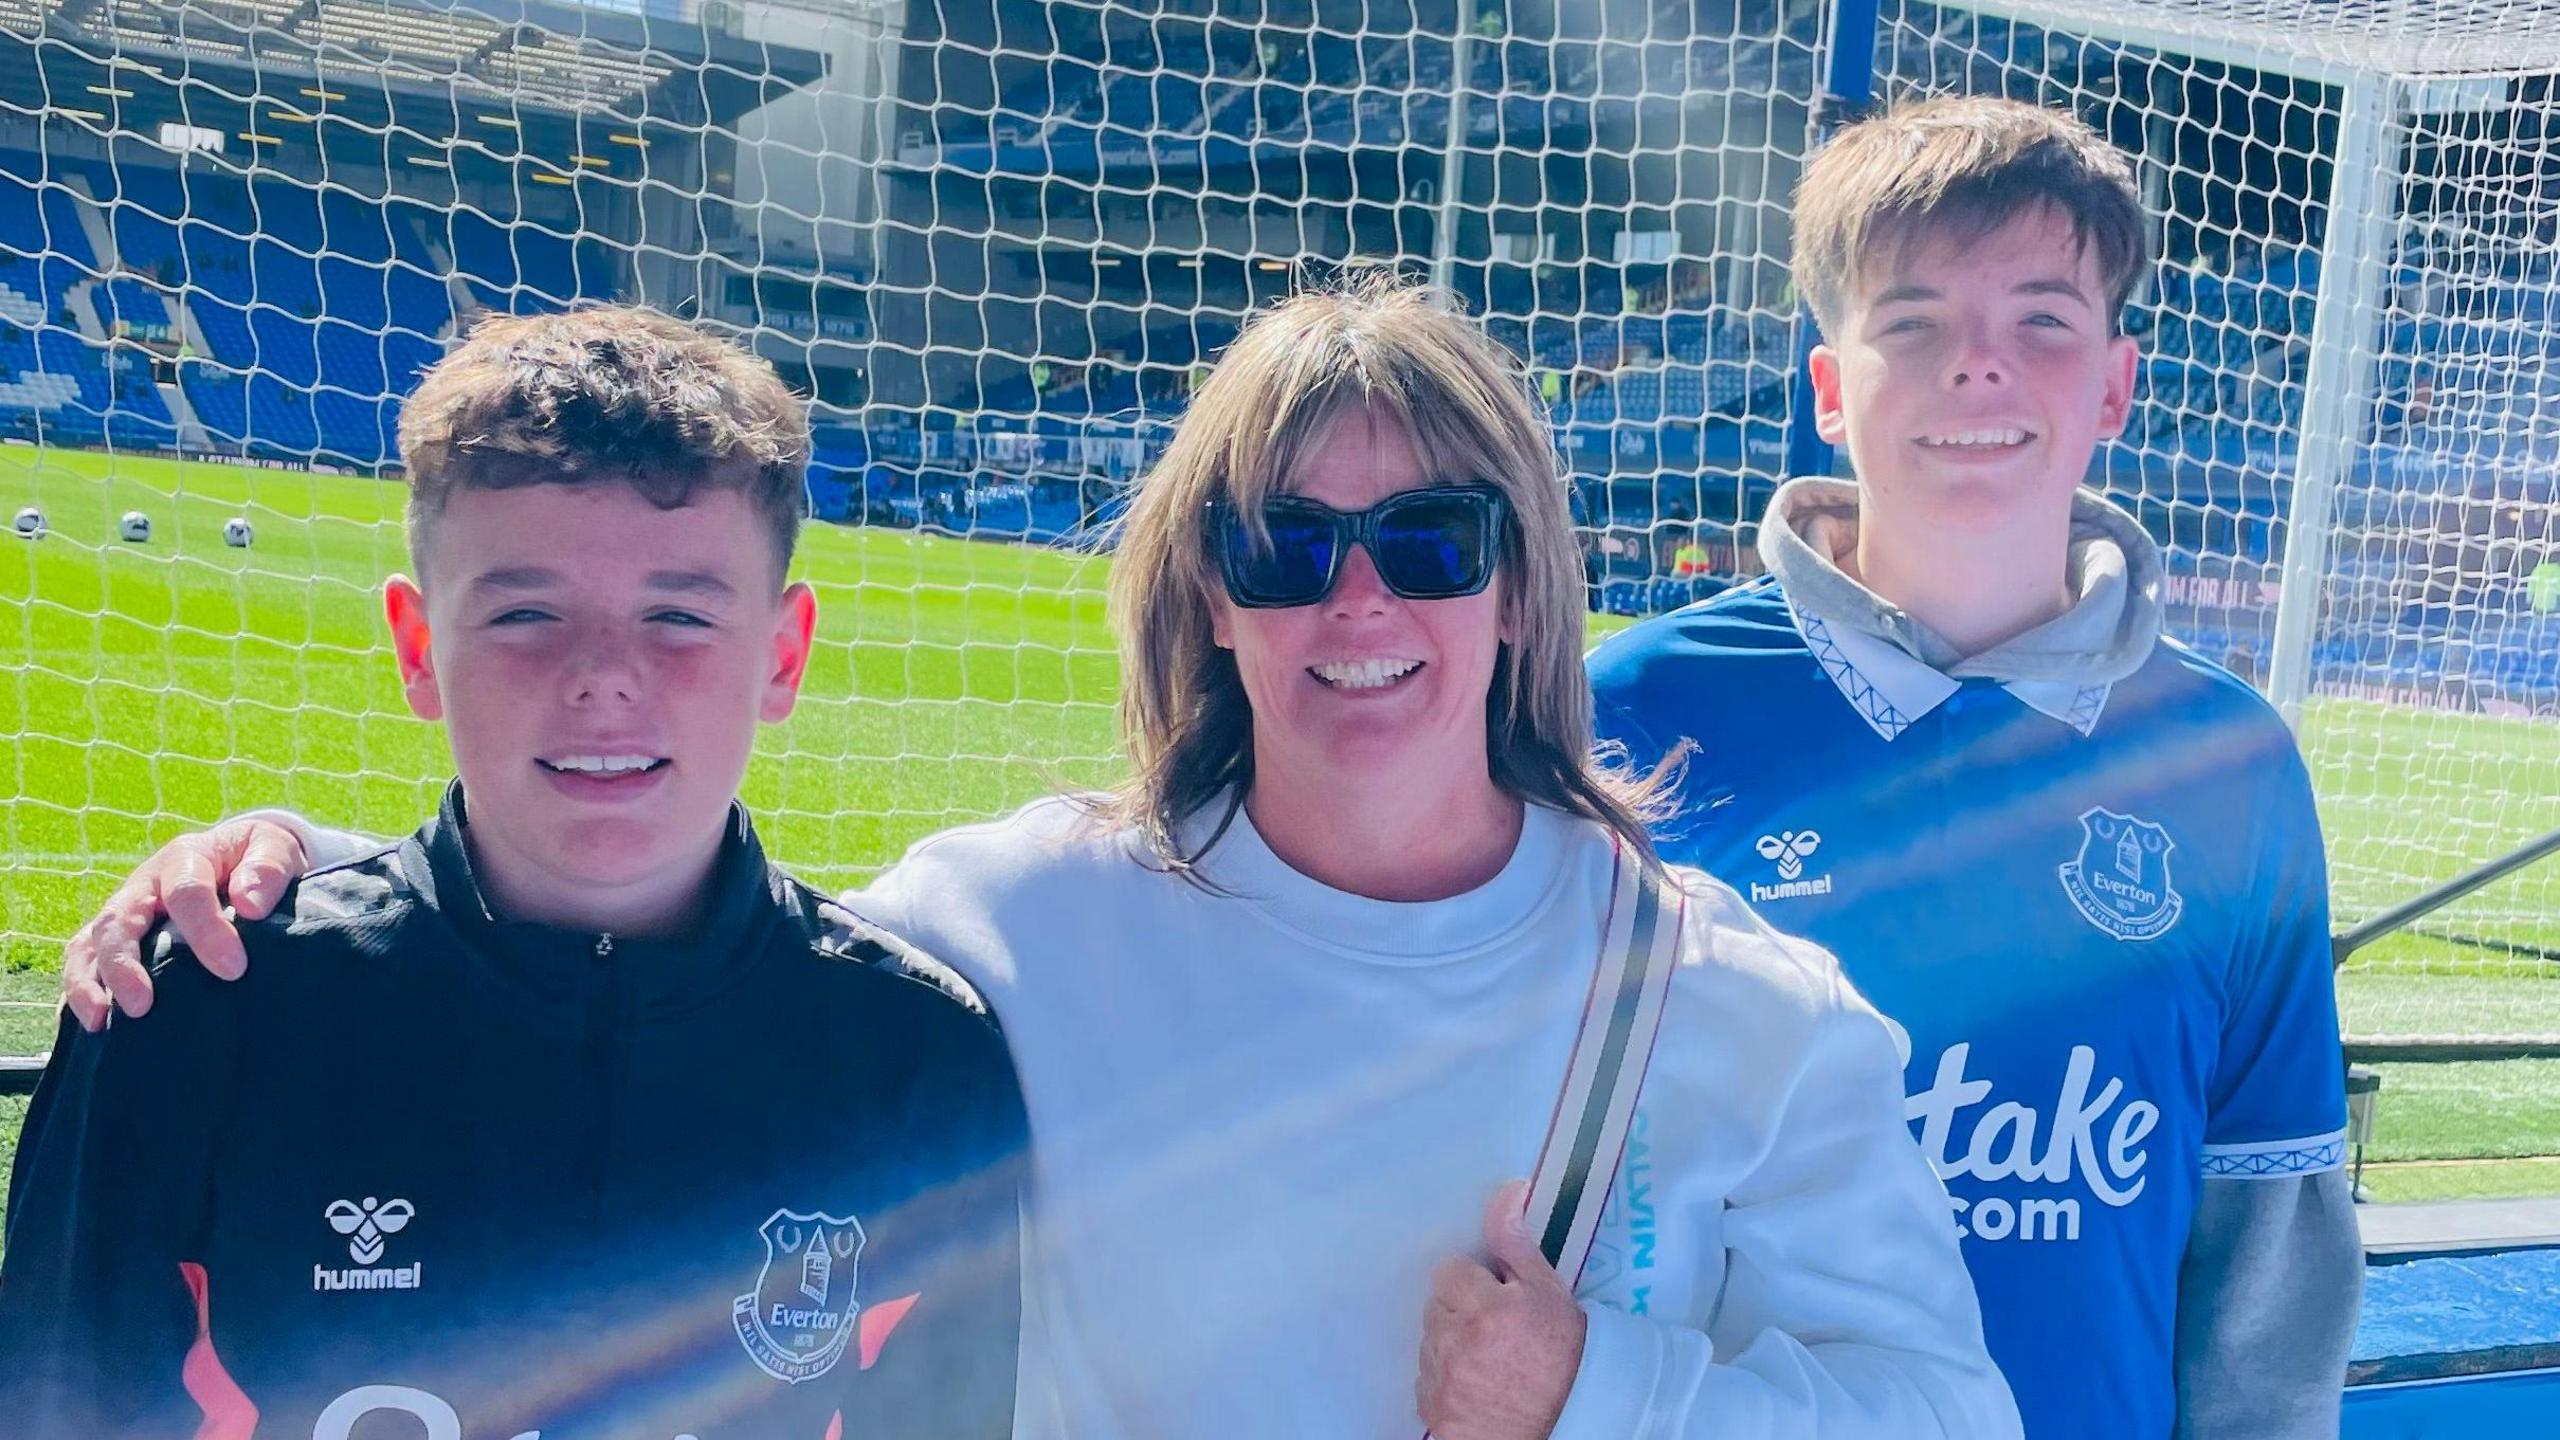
1613,1389
321,847
2276,1159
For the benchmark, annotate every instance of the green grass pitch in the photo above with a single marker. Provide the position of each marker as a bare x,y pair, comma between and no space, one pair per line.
149,689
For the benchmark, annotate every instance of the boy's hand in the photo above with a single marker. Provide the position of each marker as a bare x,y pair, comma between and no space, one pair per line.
1501,1339
247,861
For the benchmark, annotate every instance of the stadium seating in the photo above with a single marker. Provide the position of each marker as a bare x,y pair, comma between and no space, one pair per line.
316,308
130,306
522,266
58,383
312,309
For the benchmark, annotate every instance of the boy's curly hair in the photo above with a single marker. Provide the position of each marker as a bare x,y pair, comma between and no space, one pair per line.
605,395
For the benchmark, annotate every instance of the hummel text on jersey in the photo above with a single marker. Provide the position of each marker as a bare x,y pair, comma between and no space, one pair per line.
1789,889
1788,850
2002,1145
368,1225
380,1277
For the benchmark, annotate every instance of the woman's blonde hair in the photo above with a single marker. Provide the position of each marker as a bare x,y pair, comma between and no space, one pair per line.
1395,349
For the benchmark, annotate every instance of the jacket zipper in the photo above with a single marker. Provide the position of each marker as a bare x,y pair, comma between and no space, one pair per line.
598,1066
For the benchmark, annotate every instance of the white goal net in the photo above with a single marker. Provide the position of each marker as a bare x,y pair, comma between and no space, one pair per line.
2350,423
997,240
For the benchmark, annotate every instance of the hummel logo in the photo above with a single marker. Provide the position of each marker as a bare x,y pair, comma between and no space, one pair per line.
366,1224
1789,848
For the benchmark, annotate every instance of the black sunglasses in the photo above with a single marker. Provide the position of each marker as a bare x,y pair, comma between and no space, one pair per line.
1435,543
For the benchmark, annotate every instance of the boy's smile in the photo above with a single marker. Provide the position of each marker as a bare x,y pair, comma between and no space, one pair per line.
1976,441
600,666
609,778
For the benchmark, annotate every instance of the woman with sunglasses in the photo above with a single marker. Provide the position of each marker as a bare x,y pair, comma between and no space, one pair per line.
1295,1004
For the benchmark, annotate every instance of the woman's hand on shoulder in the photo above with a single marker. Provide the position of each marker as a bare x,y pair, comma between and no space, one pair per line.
246,862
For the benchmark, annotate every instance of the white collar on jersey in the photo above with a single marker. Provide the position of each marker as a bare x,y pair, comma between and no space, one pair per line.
1890,688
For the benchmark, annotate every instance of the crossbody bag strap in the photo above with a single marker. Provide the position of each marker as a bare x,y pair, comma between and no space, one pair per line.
1639,951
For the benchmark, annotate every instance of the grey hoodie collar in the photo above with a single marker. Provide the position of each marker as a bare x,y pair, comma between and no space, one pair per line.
2106,635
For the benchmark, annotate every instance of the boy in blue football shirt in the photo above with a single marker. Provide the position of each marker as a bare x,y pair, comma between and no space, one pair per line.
2078,864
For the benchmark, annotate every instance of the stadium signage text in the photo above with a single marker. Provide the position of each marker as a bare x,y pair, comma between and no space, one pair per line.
2218,592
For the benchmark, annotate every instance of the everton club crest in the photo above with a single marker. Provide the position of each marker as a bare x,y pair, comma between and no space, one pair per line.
2120,882
797,1321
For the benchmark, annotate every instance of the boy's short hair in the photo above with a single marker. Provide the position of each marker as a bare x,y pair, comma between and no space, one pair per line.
605,395
1964,166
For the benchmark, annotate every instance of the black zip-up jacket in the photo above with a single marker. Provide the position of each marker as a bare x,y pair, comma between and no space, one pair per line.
424,1172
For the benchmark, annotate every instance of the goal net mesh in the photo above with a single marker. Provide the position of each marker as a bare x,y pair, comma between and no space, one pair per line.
999,241
2401,353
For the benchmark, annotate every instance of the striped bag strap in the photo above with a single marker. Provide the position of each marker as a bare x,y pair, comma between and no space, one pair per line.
1639,951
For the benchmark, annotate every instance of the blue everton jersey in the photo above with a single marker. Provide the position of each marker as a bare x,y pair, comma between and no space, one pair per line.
2098,912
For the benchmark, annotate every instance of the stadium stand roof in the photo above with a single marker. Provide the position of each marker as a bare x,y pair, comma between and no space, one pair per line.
508,53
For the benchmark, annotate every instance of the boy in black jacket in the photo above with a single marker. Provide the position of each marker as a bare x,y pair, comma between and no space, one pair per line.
570,1113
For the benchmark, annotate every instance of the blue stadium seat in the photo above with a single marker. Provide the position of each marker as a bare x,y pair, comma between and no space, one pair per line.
317,308
53,378
1639,395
